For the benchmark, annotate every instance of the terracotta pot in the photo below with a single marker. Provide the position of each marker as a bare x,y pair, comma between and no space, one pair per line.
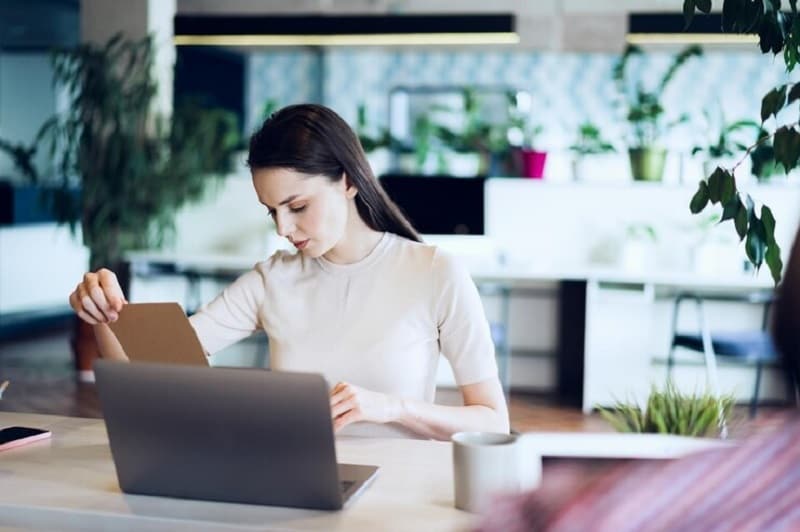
84,350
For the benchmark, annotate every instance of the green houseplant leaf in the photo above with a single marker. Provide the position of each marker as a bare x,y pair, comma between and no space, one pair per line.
778,30
787,147
773,102
700,198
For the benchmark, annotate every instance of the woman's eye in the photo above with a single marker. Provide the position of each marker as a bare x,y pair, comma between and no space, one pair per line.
298,209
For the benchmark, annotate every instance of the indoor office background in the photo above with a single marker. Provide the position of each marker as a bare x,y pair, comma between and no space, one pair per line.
536,235
567,87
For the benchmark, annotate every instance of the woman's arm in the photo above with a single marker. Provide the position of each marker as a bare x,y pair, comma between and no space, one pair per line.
107,343
97,300
484,410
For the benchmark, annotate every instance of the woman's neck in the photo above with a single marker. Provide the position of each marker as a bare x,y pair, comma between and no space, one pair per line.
359,241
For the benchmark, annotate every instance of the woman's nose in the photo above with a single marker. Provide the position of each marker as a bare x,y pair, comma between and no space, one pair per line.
283,225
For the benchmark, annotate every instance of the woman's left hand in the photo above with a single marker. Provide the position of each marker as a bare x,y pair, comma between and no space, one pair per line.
350,404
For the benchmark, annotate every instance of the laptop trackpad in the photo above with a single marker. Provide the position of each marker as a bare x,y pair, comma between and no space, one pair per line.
353,478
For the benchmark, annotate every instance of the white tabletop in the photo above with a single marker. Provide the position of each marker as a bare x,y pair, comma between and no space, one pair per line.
69,483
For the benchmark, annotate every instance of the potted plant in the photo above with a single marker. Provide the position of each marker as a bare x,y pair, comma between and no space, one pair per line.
484,141
638,247
646,115
523,133
532,159
670,411
725,141
121,171
589,142
376,143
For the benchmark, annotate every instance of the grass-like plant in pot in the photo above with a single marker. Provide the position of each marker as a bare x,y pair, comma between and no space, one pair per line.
670,411
645,113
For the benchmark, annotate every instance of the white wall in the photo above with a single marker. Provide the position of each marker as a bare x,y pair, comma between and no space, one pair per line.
39,267
570,225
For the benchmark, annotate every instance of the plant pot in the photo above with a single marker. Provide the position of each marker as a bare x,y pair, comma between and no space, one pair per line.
533,163
84,350
464,164
647,164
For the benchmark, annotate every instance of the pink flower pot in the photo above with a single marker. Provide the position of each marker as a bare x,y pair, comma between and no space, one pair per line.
533,163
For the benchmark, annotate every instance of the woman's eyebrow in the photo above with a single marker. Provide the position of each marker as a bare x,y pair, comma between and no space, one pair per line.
287,200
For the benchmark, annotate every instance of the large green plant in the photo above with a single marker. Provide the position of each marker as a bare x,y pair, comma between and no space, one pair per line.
121,171
778,31
643,106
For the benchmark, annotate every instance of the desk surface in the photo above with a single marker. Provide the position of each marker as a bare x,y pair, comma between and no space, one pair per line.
69,483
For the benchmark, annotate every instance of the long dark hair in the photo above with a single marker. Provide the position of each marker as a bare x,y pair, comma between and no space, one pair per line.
314,140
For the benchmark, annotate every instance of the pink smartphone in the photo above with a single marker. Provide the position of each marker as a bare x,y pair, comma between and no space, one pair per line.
11,437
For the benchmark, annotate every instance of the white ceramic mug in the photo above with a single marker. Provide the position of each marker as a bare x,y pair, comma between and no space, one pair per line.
487,463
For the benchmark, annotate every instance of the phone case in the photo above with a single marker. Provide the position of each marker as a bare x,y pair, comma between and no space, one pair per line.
22,441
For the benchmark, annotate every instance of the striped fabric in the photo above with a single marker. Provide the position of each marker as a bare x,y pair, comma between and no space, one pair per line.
754,486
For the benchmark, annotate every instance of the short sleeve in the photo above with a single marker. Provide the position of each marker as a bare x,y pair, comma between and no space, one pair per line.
232,315
464,335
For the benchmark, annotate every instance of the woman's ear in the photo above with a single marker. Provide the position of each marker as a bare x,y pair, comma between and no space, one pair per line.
350,190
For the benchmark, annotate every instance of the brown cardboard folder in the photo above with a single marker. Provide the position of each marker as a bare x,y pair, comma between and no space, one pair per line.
158,332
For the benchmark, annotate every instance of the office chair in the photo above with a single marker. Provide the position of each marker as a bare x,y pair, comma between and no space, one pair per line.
752,348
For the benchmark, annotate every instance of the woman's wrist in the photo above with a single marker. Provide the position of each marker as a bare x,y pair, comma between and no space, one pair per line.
398,409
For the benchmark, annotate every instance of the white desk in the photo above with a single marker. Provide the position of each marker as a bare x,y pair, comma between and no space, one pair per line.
69,483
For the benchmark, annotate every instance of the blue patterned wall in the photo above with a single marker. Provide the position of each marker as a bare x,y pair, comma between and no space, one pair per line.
569,87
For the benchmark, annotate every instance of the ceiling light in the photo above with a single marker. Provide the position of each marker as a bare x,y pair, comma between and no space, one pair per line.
363,30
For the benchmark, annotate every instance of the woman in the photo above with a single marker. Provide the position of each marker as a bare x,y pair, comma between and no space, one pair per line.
363,301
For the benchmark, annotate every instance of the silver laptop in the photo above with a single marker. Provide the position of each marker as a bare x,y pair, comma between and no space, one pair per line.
225,434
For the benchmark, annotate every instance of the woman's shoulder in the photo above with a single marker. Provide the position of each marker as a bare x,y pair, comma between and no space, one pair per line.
284,262
430,257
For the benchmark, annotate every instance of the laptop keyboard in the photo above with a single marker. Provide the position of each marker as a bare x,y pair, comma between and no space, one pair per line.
345,485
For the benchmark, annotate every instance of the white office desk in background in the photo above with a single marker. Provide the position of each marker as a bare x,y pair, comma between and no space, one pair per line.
69,483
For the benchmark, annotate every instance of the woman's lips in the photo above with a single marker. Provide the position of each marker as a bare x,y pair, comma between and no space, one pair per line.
300,245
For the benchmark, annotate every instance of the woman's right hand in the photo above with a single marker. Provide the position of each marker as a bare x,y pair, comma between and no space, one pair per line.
98,298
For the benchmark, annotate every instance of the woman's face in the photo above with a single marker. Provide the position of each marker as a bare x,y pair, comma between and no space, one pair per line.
309,210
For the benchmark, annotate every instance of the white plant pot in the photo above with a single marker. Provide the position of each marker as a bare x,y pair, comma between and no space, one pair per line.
637,255
463,164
